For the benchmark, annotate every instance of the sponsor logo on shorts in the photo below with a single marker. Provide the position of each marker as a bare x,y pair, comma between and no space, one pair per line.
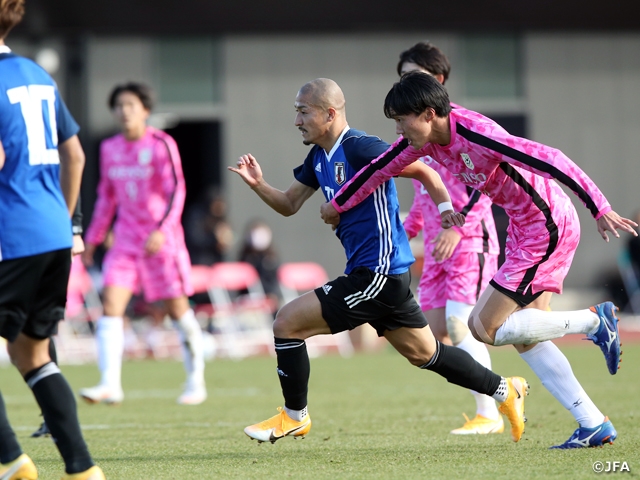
326,288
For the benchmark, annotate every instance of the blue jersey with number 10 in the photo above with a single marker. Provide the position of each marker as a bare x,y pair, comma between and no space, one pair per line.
34,217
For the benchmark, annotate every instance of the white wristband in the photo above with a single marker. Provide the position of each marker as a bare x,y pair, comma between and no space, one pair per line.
444,206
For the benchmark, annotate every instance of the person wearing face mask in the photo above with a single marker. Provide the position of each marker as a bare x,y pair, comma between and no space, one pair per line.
257,249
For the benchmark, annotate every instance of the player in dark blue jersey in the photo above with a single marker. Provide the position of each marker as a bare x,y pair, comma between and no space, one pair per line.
41,164
376,288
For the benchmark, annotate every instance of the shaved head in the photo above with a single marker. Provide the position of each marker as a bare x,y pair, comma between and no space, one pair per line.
323,93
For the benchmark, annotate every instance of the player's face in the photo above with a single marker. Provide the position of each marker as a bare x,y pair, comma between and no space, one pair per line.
130,112
415,128
310,120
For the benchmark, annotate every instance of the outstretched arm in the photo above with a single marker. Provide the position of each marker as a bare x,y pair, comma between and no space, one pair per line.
285,202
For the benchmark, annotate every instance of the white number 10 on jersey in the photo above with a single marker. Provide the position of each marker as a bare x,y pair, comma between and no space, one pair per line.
37,103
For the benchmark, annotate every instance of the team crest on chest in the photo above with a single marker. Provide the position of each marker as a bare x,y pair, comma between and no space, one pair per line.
339,171
467,160
144,156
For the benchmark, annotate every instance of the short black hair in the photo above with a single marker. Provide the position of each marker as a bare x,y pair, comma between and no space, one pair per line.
427,56
140,90
415,93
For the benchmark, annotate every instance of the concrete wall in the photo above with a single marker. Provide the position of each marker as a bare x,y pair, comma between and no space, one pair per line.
581,95
263,76
583,98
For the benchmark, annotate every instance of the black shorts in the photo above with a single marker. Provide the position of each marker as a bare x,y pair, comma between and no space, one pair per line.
522,299
33,294
383,301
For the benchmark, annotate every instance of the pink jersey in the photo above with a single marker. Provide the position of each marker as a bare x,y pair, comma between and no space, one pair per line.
479,231
143,182
517,174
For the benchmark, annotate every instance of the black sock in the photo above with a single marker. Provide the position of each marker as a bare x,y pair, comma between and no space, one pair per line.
9,446
58,406
293,370
459,368
52,351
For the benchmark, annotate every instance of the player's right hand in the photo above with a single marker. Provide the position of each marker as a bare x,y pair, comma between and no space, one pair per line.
248,169
329,215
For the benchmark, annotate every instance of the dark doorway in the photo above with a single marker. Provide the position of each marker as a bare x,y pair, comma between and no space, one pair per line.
199,143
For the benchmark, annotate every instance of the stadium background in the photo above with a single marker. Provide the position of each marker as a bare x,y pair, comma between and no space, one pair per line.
227,74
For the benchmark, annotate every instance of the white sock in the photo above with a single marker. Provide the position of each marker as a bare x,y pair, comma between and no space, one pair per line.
485,405
110,342
192,344
553,369
501,394
297,415
530,325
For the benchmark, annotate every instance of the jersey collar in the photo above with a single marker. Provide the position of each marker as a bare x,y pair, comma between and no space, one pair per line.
337,144
4,49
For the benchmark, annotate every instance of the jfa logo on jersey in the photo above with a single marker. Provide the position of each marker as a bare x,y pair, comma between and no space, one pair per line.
144,156
467,160
338,168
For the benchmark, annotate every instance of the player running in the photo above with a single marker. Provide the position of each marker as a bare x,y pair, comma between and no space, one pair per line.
543,234
458,261
141,178
376,288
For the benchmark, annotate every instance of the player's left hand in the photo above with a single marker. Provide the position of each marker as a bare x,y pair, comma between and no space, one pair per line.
450,218
78,245
444,244
329,214
612,222
154,242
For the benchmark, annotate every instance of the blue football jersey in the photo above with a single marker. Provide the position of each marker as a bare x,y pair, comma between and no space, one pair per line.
371,233
33,121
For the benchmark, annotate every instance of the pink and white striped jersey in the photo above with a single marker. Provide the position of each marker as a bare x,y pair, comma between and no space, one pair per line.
479,231
143,181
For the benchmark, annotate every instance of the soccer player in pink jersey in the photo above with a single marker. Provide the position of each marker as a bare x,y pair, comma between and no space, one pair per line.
544,231
141,178
459,261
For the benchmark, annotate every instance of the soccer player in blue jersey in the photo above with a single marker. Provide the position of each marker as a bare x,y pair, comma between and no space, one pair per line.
375,289
41,162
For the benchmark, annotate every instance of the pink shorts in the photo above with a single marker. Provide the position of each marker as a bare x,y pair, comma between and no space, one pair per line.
462,278
161,277
536,260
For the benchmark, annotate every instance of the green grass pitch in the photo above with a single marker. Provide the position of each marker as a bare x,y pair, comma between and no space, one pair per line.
374,416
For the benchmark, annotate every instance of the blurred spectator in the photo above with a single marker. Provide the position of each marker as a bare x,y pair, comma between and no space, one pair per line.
257,249
207,232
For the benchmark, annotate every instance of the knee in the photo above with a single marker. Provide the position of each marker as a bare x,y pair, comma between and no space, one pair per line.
284,324
478,330
456,329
